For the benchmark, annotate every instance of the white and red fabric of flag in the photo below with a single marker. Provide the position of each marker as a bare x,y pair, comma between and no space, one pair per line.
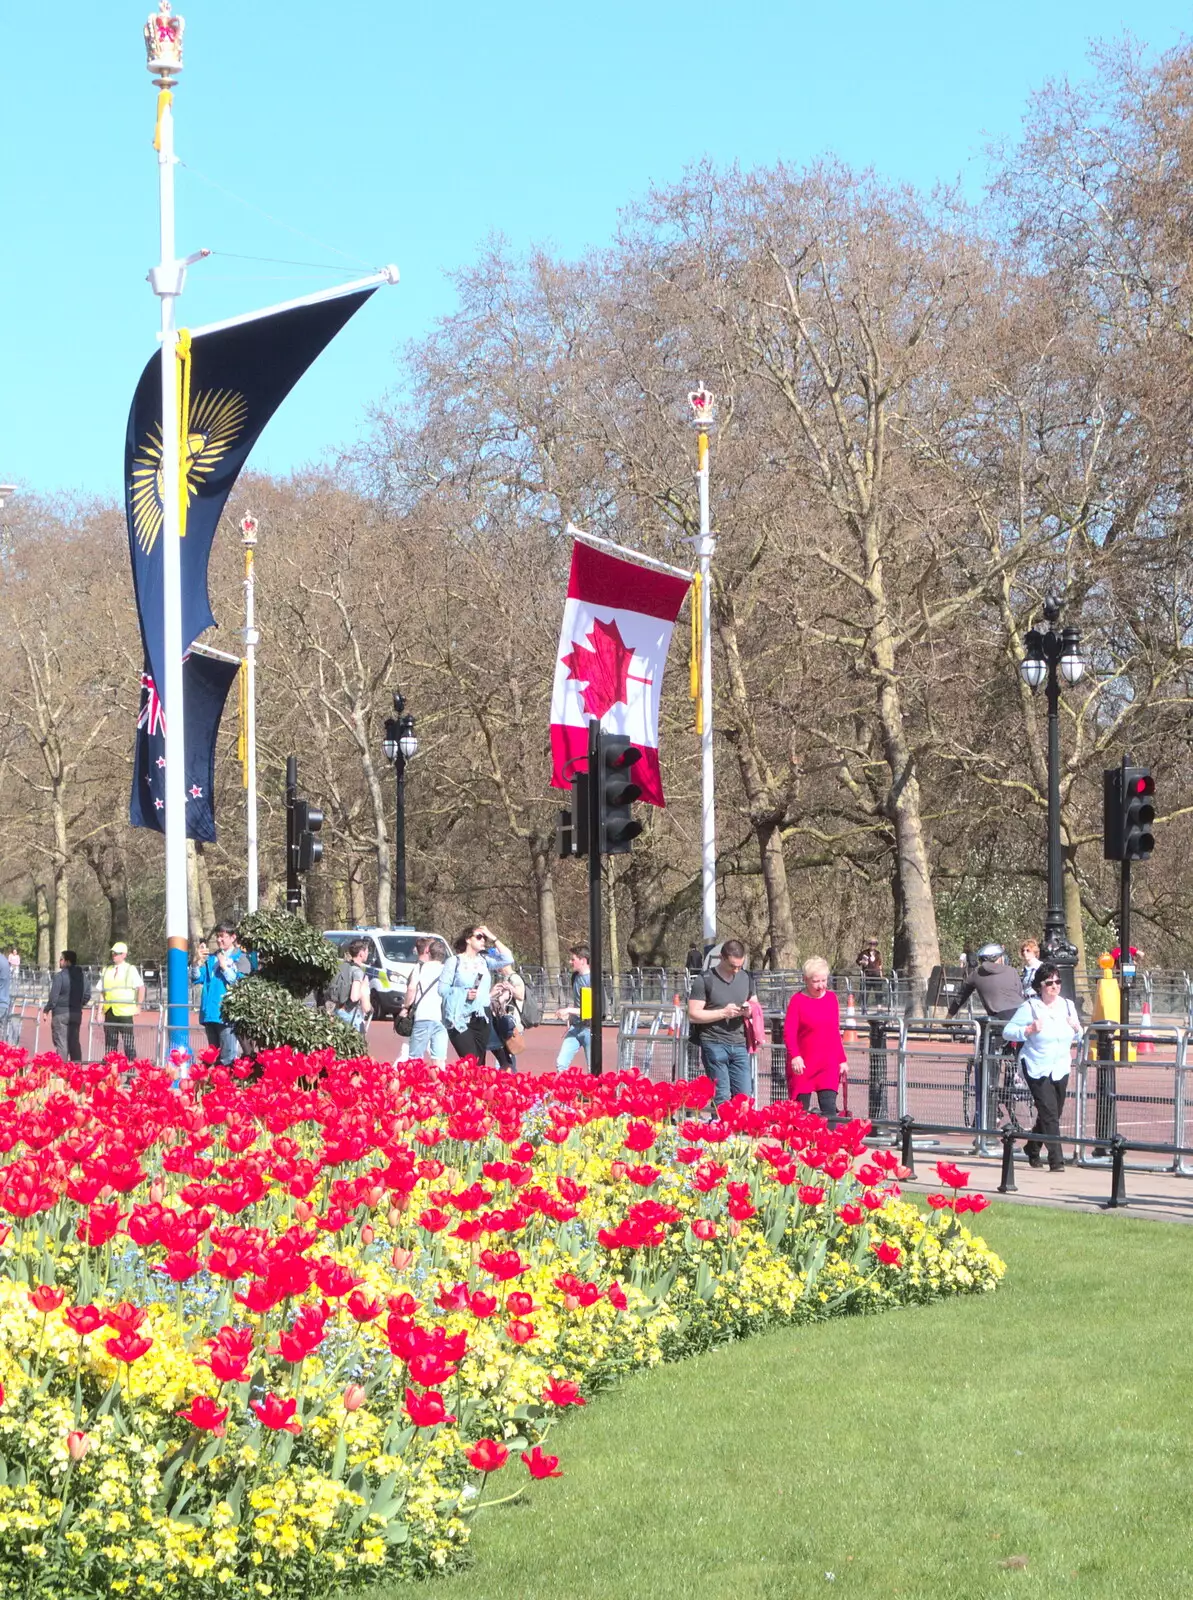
617,627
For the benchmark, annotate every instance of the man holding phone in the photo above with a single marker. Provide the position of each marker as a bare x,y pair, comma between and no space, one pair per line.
717,1005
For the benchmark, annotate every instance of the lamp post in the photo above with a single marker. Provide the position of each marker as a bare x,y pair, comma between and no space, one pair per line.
400,746
1048,657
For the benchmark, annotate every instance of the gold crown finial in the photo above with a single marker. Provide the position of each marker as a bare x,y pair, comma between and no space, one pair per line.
163,44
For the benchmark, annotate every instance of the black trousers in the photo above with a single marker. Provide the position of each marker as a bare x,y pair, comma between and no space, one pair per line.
118,1035
1049,1096
826,1099
472,1040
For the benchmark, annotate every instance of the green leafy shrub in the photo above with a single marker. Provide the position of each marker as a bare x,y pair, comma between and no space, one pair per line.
289,951
294,963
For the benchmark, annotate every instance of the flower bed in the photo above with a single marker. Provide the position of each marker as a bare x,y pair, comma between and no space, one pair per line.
274,1337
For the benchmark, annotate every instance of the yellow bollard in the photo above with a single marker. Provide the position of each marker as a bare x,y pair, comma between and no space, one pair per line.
1106,1001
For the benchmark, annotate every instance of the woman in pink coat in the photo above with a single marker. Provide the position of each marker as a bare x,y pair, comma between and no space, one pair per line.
812,1034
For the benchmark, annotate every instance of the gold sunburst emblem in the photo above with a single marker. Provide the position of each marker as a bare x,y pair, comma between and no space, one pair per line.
217,418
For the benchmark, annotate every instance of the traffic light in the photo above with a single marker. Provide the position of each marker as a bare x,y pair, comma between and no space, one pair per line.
1139,813
616,792
1128,812
308,821
571,831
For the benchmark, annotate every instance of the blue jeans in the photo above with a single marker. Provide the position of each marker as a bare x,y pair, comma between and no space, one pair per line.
728,1065
428,1041
224,1036
574,1040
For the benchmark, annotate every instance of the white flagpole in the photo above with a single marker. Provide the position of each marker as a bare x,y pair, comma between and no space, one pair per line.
163,40
703,410
248,530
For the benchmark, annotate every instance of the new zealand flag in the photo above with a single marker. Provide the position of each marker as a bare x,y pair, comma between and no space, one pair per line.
234,381
206,679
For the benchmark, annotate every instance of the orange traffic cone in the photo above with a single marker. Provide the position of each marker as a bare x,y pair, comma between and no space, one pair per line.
675,1016
1147,1045
850,1034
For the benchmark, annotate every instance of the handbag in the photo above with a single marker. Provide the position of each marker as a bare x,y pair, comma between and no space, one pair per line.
404,1019
515,1041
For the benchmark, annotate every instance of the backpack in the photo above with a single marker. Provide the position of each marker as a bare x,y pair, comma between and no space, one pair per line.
530,1010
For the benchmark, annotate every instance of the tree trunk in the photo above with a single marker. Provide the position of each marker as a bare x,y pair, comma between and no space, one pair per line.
194,912
61,882
544,888
42,909
608,885
203,883
915,912
107,863
764,801
779,921
356,891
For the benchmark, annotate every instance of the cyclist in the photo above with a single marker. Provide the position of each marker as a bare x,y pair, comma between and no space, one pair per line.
998,987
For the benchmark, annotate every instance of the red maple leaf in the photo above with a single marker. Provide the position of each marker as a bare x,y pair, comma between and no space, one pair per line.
604,669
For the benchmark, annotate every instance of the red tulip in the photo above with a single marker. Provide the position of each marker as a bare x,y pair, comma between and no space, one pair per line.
615,1295
124,1317
278,1414
205,1415
426,1410
851,1215
939,1202
83,1319
951,1175
811,1195
560,1393
889,1254
703,1228
361,1308
978,1202
482,1305
77,1445
520,1304
520,1332
486,1455
354,1397
128,1347
541,1466
45,1298
178,1266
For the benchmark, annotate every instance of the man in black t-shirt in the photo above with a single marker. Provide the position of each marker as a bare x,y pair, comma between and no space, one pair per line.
717,1004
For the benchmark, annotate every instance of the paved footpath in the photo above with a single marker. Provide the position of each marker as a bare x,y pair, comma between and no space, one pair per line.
1160,1196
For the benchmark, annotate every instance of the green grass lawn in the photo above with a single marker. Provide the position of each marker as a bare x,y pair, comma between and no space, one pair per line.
907,1454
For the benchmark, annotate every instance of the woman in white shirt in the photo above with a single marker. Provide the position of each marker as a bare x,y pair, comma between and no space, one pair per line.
428,1040
1049,1026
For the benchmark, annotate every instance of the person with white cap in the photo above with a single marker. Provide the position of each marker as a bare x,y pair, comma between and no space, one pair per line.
123,991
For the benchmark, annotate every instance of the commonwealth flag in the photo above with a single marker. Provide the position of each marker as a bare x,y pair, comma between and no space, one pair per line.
232,378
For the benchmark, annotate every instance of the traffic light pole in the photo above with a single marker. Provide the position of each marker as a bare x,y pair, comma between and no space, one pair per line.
594,779
293,892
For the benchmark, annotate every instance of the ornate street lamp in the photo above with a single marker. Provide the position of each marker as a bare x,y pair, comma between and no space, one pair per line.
1048,657
400,745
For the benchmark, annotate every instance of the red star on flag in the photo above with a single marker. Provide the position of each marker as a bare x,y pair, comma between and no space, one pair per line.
195,792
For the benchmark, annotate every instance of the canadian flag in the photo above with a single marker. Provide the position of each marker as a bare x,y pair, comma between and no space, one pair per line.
617,627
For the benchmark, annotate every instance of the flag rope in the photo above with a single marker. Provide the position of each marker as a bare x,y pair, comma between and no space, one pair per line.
697,649
183,351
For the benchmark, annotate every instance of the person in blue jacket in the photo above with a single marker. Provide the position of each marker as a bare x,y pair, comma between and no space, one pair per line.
222,969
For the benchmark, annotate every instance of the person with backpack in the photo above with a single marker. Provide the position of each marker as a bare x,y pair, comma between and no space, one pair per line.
348,994
1049,1027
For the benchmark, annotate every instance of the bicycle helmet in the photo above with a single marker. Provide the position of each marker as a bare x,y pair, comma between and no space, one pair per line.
991,951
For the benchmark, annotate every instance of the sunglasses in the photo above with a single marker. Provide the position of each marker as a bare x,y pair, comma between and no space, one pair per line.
1050,983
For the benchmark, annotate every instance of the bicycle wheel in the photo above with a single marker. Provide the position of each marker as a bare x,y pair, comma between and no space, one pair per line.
968,1097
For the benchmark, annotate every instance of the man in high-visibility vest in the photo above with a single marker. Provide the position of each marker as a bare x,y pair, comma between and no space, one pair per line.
123,992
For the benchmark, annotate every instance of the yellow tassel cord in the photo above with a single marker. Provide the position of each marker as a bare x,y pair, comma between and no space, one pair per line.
242,741
183,351
164,99
697,651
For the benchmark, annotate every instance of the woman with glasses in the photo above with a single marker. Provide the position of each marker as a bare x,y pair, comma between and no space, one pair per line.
464,985
1048,1026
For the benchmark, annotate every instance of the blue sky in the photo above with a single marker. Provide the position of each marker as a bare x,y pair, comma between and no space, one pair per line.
411,134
